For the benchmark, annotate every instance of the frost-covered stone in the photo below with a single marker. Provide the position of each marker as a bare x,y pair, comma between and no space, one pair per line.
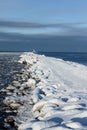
10,87
16,83
9,119
15,105
4,90
31,83
7,102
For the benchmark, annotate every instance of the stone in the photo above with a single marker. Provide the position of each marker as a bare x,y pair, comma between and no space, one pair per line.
15,105
9,93
4,91
8,111
31,83
24,93
21,88
10,87
16,83
24,62
7,102
9,119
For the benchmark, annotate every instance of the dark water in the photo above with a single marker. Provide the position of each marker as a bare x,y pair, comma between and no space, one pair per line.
68,56
8,69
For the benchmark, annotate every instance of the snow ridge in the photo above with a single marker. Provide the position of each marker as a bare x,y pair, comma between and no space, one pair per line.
58,99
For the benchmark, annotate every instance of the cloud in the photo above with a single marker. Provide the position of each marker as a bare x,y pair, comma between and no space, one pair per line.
7,36
25,37
15,24
57,29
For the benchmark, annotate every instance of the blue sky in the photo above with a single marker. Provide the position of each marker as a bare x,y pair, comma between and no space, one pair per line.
35,24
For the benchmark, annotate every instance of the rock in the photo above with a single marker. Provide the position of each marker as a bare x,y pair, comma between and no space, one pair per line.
9,93
9,123
24,62
16,83
18,87
17,92
21,88
7,102
6,108
10,87
9,119
15,105
8,111
24,93
25,87
31,83
23,79
4,91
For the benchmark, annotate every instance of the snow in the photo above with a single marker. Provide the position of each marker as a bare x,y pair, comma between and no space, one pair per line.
59,94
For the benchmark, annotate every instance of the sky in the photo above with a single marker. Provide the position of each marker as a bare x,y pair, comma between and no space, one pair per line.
43,25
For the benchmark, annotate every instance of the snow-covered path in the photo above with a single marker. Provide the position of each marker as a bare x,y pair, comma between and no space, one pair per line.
59,96
72,75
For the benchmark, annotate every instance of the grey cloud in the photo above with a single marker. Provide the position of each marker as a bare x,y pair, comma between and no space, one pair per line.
25,37
15,24
21,37
66,28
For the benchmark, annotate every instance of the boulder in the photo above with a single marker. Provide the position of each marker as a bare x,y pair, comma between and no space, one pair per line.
15,105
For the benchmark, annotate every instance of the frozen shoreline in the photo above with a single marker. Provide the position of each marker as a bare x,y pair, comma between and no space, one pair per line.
55,94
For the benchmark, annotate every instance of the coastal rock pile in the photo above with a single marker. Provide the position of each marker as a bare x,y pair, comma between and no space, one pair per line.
45,96
19,92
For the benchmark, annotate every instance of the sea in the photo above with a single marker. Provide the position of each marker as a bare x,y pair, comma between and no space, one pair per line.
68,56
9,66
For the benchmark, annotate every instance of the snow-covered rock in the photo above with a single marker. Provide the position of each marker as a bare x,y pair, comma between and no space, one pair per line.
59,95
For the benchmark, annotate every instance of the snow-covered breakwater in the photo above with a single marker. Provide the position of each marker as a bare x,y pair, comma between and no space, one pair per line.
53,95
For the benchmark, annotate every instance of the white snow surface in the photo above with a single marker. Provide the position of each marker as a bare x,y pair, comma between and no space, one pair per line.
60,94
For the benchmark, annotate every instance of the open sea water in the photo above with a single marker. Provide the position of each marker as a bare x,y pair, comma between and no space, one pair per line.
8,67
68,56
